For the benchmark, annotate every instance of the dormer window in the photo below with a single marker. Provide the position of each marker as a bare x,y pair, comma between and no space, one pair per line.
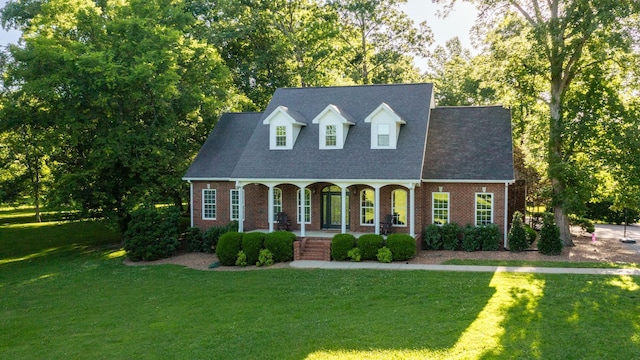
385,127
284,127
334,127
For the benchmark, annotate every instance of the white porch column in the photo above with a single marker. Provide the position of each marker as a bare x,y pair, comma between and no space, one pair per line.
412,210
343,211
506,211
270,208
302,209
240,189
376,210
191,201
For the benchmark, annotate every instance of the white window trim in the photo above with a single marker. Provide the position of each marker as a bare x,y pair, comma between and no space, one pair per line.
406,209
475,213
232,205
275,205
373,208
433,206
215,209
299,215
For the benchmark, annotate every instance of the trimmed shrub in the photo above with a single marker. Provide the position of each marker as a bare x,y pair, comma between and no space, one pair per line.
402,246
489,236
585,224
241,260
211,236
354,254
229,245
384,255
152,233
265,258
252,243
550,242
517,234
193,239
369,244
280,243
432,236
471,240
451,236
531,234
340,246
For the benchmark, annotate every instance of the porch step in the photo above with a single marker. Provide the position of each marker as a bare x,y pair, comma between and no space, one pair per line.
313,249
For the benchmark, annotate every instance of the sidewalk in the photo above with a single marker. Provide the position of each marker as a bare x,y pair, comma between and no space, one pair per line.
312,264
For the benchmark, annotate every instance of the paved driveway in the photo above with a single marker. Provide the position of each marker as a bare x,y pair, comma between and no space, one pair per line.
606,231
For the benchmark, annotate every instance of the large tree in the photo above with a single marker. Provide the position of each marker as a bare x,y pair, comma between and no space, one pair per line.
127,90
571,37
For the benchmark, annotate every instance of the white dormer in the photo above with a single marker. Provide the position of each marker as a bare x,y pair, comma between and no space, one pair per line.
385,127
284,127
334,127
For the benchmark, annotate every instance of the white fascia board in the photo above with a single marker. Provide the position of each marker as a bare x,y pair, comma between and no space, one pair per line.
334,109
206,179
282,110
468,181
387,109
333,181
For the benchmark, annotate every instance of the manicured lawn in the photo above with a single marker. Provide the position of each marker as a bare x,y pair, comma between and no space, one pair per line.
556,264
65,295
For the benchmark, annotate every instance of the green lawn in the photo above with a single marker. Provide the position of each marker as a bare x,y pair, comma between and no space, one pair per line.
64,294
556,264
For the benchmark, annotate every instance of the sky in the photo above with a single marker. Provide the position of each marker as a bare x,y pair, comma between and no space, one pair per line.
458,23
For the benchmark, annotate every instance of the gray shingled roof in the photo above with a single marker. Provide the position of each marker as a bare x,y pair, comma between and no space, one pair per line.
469,143
220,153
356,160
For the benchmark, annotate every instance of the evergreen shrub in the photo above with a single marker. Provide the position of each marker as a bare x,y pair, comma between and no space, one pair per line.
340,246
550,242
531,234
451,236
252,243
193,239
369,244
229,245
280,243
471,240
152,233
490,237
432,237
517,234
402,246
211,236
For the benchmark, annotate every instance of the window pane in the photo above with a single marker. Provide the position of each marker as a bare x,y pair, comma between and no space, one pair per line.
235,204
330,135
277,203
399,207
366,207
307,207
281,136
484,209
440,208
209,203
383,135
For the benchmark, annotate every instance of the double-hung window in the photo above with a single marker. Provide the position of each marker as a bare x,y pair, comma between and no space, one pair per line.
330,138
440,207
281,136
367,205
209,204
306,207
234,208
399,207
277,203
484,208
383,134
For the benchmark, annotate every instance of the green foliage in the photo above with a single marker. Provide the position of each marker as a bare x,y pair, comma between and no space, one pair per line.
550,242
229,245
604,211
402,246
531,234
517,234
241,260
451,236
152,233
585,224
471,240
432,237
489,237
280,243
369,244
354,254
265,258
211,236
194,238
340,246
252,243
384,255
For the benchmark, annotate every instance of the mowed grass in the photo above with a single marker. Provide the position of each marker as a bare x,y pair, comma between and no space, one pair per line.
556,264
65,294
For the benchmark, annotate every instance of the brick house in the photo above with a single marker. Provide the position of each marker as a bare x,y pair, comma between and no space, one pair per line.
340,159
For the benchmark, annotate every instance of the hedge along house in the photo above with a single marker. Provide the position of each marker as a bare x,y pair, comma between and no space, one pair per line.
341,159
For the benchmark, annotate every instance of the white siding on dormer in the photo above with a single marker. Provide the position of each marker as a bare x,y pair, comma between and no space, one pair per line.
279,118
385,127
332,116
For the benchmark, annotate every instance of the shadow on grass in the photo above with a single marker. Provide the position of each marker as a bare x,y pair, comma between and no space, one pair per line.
572,316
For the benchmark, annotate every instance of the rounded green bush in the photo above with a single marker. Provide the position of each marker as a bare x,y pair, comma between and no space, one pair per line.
432,237
280,243
229,245
211,236
451,236
369,244
193,238
152,233
490,237
471,240
340,246
402,246
252,243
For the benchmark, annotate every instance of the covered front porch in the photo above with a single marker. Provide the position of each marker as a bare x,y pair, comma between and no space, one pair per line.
325,208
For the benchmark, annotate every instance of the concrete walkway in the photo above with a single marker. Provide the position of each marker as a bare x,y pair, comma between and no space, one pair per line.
313,264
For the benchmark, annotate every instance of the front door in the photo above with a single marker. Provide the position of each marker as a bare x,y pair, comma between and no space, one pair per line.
332,208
